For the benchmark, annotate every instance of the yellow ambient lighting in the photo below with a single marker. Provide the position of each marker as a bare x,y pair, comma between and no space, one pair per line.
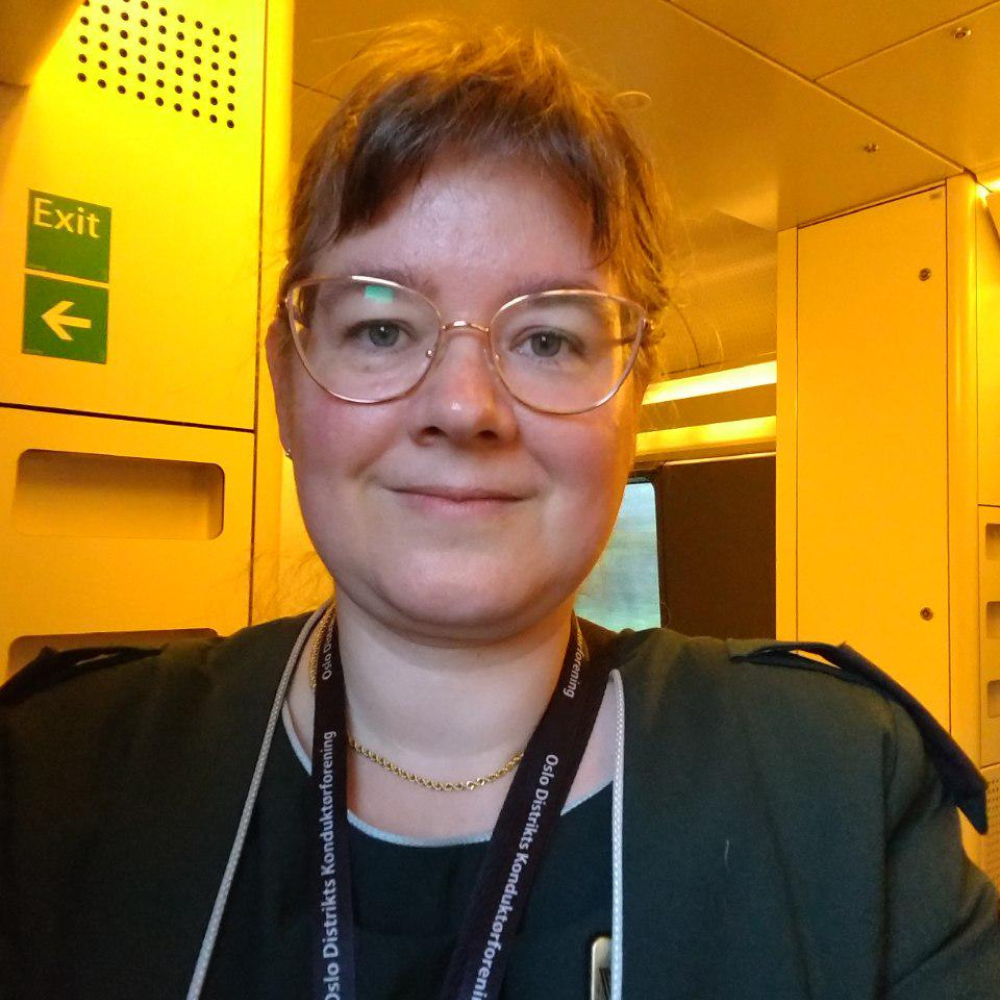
712,383
993,207
729,437
719,458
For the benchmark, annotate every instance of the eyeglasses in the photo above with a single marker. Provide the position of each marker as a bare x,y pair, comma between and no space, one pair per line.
369,340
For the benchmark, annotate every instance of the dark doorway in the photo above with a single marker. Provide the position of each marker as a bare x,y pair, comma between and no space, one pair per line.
717,546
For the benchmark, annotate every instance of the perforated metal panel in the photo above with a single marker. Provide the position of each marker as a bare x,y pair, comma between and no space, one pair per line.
135,111
991,842
162,55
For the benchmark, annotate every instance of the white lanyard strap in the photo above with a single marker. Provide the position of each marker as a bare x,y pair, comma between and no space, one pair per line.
617,839
214,921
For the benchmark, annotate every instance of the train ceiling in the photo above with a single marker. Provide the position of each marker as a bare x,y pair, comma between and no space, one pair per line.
776,113
762,116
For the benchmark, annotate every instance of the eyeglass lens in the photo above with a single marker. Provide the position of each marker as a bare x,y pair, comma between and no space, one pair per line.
369,341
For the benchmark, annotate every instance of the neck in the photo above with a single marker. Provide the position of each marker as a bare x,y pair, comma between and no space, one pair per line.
436,706
444,713
439,710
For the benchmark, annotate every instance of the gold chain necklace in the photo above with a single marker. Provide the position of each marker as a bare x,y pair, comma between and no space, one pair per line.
438,786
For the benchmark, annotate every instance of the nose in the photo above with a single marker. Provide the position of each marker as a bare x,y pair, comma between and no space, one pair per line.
461,397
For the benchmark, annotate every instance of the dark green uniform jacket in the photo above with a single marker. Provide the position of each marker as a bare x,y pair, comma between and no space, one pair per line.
786,834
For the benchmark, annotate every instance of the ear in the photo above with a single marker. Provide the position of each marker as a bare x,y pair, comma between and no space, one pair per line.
279,362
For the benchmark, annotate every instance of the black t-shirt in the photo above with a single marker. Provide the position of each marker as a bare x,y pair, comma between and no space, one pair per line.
409,901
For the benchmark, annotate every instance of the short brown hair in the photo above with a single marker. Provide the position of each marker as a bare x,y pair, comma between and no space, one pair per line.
429,87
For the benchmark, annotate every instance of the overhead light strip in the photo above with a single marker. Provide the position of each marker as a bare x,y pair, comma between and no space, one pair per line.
730,437
712,383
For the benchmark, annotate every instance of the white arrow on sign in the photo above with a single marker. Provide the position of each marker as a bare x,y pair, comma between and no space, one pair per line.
57,320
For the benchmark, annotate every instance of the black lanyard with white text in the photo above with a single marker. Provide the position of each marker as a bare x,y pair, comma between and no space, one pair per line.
523,829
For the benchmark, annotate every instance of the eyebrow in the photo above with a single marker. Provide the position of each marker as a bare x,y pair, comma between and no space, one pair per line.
428,287
547,284
400,275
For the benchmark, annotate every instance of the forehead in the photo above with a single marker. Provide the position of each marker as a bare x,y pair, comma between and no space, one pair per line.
465,227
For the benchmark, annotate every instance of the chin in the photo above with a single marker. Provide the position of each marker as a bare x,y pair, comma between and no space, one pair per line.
460,609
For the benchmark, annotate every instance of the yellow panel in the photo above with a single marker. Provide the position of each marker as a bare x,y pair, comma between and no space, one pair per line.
274,211
184,195
872,439
732,130
77,579
814,36
989,601
785,469
963,528
988,309
937,88
69,494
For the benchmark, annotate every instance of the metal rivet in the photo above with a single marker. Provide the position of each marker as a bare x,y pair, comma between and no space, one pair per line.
870,147
925,273
961,33
926,614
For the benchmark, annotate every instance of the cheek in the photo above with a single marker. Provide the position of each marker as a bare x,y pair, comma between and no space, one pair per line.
333,444
594,460
327,429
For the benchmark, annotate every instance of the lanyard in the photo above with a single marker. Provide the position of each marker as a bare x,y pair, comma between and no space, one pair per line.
527,819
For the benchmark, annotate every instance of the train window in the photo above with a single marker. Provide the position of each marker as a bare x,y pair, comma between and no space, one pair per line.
623,591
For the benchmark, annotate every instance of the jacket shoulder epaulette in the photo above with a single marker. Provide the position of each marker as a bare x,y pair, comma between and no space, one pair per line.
52,667
959,775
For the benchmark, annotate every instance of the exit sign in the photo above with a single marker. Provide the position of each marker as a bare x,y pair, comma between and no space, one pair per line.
66,306
68,237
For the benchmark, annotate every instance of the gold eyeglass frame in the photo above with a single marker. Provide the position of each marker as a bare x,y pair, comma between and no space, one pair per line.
295,323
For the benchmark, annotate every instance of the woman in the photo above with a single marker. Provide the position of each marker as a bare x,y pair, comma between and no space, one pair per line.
449,787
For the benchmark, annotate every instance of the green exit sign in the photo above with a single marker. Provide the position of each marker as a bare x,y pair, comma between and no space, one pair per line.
65,319
68,237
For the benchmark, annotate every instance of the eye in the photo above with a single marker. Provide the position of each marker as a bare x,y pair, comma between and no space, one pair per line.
381,333
546,343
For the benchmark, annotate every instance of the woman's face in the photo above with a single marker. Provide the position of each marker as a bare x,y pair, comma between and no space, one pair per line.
456,513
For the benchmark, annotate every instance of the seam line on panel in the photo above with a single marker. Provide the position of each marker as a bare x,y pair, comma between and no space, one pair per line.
895,130
123,416
949,373
909,38
795,418
888,200
262,184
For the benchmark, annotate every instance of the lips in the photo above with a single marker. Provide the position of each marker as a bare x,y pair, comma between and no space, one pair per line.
460,494
456,504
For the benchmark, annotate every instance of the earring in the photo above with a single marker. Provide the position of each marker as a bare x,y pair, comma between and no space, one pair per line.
288,453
